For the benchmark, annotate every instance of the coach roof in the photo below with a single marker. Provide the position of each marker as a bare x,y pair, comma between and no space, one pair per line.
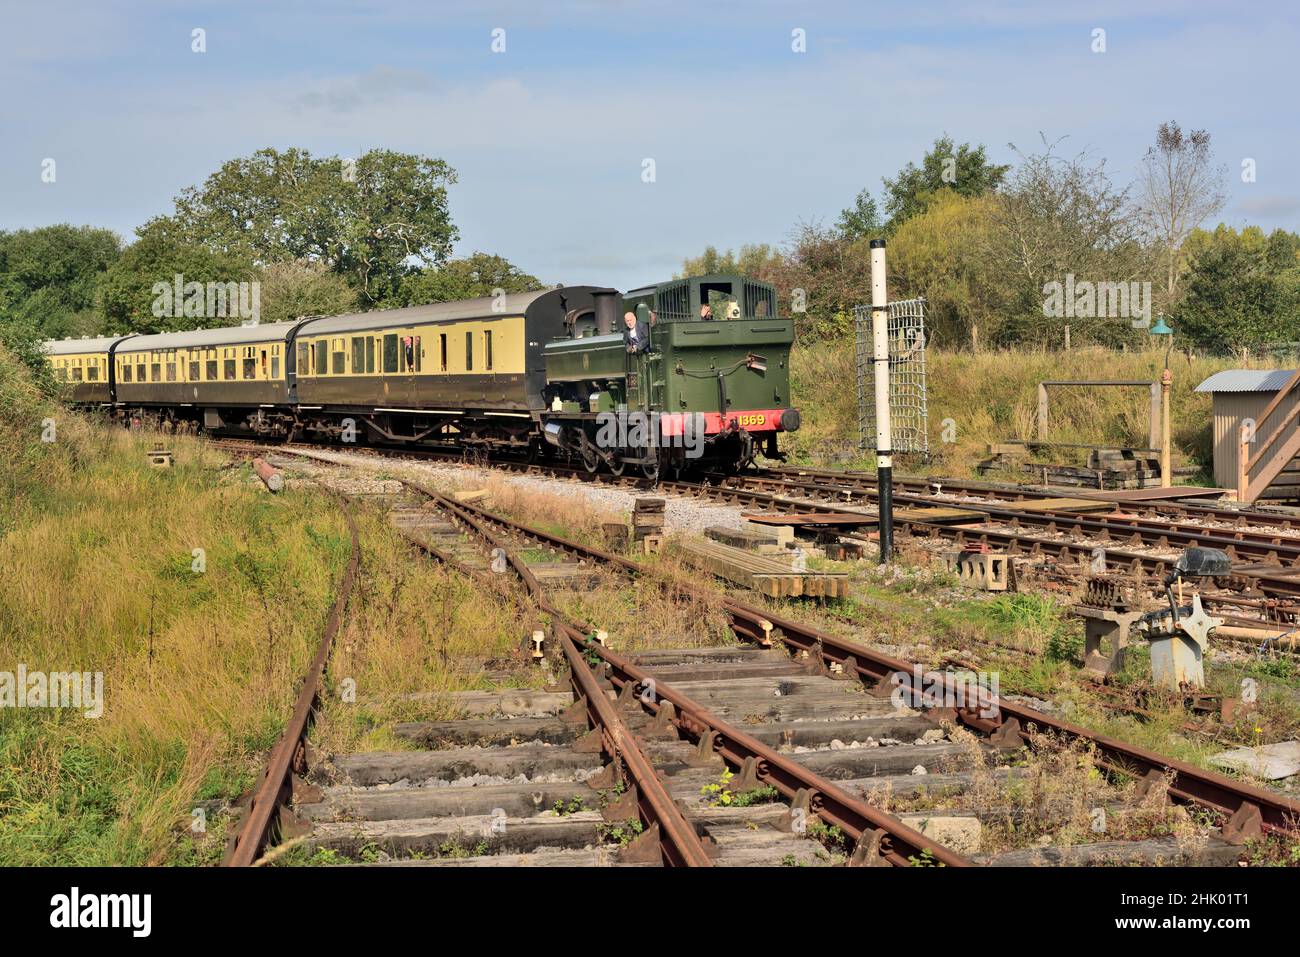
210,338
73,347
485,307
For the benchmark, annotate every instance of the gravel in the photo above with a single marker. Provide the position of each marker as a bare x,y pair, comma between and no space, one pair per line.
680,515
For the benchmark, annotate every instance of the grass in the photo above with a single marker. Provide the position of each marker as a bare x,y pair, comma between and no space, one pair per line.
200,651
993,397
414,627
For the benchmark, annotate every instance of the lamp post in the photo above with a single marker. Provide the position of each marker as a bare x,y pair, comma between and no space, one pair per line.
1162,328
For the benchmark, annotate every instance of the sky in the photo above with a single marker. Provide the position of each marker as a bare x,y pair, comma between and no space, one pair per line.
550,137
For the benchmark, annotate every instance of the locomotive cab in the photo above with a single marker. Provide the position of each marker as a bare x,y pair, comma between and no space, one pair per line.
711,392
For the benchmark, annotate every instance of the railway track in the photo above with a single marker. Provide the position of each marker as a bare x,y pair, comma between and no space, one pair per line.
674,707
1141,545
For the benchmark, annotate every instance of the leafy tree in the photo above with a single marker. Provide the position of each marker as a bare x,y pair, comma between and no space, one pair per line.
126,294
961,169
1057,217
833,274
48,276
1241,289
862,219
302,288
754,260
940,254
476,275
371,222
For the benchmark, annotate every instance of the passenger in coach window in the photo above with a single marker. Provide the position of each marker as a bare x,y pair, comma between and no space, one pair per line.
706,311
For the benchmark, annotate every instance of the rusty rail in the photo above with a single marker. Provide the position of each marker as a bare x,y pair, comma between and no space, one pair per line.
881,836
275,788
1250,809
680,845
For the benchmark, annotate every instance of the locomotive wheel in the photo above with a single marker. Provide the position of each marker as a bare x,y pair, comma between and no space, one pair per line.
590,460
617,465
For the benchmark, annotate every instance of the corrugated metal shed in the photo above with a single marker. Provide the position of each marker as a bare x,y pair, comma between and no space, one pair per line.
1246,380
1240,394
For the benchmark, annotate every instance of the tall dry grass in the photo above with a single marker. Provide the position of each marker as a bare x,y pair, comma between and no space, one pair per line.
993,397
200,658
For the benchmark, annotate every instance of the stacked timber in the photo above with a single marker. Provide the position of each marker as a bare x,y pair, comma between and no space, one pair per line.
770,575
765,541
647,518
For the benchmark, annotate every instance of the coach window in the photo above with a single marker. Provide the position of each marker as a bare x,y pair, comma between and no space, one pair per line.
126,372
227,368
370,354
487,349
250,368
418,356
469,352
155,372
358,354
76,374
92,371
322,364
275,367
390,353
212,370
408,353
194,370
442,348
340,358
140,372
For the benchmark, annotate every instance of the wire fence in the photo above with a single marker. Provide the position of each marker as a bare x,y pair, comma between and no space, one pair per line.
908,407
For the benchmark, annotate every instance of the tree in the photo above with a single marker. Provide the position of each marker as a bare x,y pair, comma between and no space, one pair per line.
1177,191
962,169
48,276
828,274
1242,289
862,219
1057,218
480,274
301,288
373,221
127,297
754,260
941,255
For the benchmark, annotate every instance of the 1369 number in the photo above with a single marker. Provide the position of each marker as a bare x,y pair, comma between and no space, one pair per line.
754,419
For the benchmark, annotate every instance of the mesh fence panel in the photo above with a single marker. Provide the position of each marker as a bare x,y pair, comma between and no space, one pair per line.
910,417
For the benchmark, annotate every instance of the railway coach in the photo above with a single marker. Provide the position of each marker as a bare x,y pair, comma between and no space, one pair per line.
530,373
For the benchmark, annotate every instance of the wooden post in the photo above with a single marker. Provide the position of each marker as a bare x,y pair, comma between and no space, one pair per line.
1155,415
1166,476
1042,412
1067,338
1243,455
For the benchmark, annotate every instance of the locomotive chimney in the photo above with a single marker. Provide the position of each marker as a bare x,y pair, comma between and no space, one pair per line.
607,306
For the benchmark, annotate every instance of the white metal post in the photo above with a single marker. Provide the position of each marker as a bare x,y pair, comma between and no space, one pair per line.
884,431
